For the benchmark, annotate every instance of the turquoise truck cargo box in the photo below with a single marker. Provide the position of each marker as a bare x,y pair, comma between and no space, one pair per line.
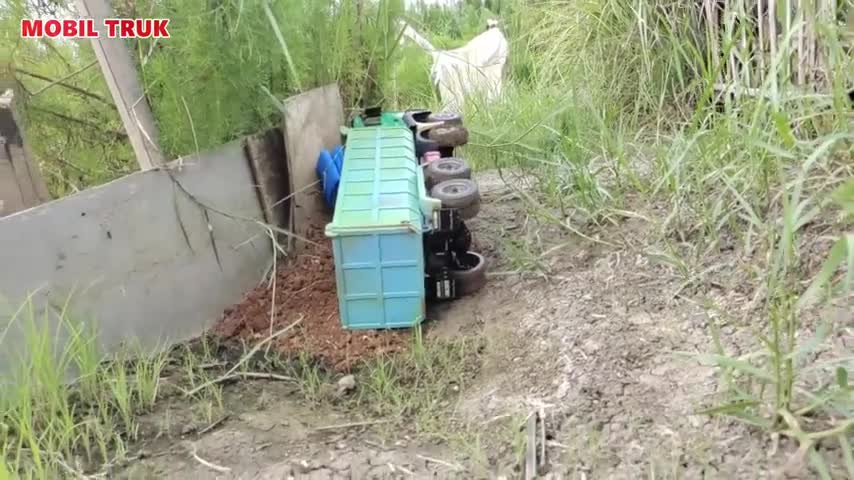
381,211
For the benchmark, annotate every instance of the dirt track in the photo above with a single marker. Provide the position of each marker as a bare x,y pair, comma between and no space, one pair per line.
596,341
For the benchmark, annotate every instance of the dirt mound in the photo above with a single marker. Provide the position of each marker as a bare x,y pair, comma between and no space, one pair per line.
305,286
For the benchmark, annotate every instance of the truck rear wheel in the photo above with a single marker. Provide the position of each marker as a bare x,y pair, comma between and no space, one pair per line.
449,136
448,118
413,117
471,276
424,144
448,168
459,193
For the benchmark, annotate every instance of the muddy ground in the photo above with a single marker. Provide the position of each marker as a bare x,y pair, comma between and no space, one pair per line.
594,337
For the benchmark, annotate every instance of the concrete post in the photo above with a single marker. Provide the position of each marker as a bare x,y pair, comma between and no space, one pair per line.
120,73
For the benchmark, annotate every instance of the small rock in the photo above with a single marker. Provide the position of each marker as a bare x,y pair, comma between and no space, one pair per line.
359,470
340,463
341,445
346,384
590,346
321,474
641,318
382,459
303,467
378,472
276,471
650,380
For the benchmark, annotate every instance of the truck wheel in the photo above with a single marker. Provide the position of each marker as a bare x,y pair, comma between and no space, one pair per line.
413,117
448,168
424,144
471,276
461,240
448,118
452,136
459,193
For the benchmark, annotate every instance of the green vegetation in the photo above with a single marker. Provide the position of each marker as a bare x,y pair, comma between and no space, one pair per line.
64,400
620,112
209,83
419,384
67,411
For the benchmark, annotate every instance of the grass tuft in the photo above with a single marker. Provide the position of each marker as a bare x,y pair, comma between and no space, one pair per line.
65,409
419,384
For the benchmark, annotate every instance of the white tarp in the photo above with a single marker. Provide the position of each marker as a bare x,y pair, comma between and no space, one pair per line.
475,69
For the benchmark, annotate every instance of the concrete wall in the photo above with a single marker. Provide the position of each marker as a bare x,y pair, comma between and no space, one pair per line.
318,111
119,248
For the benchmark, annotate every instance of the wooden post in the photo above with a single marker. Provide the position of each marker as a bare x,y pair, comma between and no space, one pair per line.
120,73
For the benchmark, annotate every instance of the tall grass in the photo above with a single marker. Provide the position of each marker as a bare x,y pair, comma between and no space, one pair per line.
223,61
451,26
220,66
620,101
72,126
65,409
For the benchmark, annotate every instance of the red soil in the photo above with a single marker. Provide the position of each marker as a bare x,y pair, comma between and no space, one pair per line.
305,287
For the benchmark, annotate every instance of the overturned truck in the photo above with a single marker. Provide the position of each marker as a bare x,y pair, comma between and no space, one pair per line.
398,230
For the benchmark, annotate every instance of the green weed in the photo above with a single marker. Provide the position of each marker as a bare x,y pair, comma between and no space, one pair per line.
311,379
622,102
420,384
64,400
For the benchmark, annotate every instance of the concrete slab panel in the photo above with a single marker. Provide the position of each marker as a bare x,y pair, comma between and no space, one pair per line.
21,183
11,199
120,252
266,152
22,174
312,122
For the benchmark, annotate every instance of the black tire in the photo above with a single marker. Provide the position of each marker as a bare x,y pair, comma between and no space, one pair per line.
424,144
448,168
452,136
462,239
448,118
467,213
459,193
413,117
472,276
